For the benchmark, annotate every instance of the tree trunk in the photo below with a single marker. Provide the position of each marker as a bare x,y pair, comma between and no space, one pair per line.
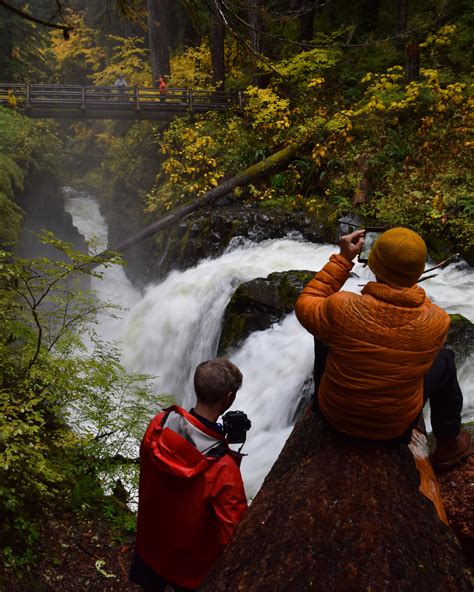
306,10
191,36
370,15
402,20
217,50
413,61
158,38
256,37
307,25
333,13
340,514
275,162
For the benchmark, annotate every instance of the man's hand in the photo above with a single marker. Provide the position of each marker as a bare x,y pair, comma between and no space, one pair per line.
351,244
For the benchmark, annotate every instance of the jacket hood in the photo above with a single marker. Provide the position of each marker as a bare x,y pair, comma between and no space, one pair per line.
182,446
413,297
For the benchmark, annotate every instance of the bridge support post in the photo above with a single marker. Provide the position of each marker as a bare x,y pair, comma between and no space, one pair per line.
137,99
190,99
83,98
28,96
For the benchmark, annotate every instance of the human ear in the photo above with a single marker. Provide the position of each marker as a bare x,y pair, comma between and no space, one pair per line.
229,399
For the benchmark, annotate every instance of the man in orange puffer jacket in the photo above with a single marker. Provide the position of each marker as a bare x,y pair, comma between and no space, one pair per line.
385,353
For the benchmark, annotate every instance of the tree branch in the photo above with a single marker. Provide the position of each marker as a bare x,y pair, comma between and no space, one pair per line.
64,28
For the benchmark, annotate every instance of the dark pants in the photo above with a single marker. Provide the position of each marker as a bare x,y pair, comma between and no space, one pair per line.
149,580
440,387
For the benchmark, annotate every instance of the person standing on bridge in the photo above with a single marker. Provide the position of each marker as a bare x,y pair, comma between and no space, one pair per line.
163,88
121,85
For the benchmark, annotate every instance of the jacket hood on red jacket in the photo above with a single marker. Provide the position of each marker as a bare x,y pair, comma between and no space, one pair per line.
182,445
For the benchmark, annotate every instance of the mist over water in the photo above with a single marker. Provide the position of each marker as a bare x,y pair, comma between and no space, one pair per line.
175,325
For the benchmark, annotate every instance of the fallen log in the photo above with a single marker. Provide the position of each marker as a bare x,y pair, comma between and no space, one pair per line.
339,514
261,169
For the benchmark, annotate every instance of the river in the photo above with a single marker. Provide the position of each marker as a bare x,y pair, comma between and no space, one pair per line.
172,326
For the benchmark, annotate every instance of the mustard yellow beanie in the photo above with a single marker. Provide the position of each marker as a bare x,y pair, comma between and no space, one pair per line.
398,257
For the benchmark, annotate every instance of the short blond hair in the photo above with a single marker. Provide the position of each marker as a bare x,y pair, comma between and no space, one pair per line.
214,379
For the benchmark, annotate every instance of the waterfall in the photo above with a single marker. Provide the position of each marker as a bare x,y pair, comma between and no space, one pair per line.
175,325
114,287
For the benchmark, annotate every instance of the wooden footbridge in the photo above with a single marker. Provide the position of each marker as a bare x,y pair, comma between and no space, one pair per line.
108,102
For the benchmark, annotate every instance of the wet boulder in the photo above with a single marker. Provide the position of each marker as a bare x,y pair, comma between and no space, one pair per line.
210,232
461,337
259,303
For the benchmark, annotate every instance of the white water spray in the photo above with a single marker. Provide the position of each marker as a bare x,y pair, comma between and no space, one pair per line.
177,324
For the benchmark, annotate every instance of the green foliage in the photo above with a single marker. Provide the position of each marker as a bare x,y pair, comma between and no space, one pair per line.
267,113
128,57
135,155
76,58
306,69
194,160
88,58
192,68
32,144
26,146
23,50
69,414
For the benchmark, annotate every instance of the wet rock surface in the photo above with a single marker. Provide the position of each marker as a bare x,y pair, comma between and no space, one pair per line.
257,304
43,204
208,234
461,337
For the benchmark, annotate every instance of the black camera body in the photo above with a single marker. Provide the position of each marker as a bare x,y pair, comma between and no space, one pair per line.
236,425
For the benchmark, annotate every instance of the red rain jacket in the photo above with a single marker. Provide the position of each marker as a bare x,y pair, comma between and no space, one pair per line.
189,501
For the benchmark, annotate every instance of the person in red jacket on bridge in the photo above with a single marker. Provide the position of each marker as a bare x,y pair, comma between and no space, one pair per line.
191,494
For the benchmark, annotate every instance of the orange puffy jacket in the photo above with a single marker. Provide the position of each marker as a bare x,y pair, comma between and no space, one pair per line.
189,501
381,344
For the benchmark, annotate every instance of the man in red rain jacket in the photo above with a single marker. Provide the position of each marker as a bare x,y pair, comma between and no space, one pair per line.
191,494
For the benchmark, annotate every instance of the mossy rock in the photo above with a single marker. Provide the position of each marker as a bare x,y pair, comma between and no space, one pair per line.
461,337
257,304
208,233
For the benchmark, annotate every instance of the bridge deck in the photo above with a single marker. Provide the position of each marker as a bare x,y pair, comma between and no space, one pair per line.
107,102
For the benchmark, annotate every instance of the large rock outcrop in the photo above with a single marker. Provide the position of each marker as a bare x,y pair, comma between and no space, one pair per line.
257,304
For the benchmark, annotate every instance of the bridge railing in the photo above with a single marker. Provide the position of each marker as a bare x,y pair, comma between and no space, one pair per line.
59,96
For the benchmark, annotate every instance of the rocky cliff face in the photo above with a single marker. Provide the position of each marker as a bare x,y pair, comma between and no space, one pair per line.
43,204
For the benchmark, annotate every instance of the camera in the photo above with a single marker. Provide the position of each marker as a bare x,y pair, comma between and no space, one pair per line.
236,425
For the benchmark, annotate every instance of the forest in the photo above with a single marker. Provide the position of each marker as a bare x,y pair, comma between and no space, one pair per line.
373,101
